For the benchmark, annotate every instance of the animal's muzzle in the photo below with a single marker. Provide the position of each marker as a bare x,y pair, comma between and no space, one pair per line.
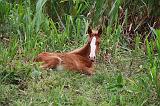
92,58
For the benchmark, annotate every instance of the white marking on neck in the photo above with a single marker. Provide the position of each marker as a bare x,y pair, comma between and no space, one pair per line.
93,48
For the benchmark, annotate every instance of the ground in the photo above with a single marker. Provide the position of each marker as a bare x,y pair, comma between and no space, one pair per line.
118,82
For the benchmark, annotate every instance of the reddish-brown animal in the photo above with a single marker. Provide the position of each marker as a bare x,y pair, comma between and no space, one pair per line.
80,60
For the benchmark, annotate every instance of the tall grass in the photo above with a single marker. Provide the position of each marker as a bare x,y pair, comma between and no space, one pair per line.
154,59
32,32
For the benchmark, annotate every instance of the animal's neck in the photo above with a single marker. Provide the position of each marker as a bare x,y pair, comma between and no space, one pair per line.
84,51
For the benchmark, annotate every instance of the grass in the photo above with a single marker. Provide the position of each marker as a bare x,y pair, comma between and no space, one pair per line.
130,78
115,83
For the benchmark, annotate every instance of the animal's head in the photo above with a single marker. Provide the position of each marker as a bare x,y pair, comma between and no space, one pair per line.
94,42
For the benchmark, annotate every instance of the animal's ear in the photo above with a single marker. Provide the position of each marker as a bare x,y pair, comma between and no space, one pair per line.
89,30
100,31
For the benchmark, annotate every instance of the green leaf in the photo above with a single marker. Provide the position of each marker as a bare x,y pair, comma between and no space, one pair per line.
120,79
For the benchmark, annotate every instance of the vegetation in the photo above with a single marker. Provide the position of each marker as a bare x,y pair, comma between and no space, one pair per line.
127,68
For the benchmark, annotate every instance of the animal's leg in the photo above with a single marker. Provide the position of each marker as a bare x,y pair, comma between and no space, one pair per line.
52,62
88,71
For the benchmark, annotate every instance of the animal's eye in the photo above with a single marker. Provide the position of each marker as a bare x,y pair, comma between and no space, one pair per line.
97,43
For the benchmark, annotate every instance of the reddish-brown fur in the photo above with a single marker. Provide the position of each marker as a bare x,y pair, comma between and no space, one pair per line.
77,60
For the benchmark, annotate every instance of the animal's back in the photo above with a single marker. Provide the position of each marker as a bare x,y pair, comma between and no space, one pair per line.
68,61
64,61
